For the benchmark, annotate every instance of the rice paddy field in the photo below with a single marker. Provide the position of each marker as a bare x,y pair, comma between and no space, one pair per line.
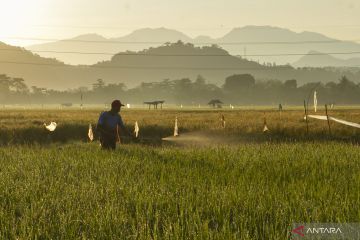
209,183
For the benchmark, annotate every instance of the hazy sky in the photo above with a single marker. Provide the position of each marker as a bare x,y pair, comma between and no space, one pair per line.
114,18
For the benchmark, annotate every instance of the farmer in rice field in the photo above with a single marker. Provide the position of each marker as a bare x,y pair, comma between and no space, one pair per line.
108,126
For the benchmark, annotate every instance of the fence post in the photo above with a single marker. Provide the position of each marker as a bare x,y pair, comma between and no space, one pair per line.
328,121
306,118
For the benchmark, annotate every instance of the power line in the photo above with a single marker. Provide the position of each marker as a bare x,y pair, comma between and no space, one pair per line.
185,28
302,54
135,67
266,68
129,27
195,43
184,55
63,52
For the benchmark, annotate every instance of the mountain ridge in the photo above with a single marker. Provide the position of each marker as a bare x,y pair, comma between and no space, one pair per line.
318,59
156,64
246,39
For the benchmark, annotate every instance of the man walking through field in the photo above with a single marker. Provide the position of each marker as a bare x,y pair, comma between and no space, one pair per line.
108,126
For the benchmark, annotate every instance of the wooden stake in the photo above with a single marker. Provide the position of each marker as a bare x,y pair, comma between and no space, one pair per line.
280,113
118,134
266,129
327,116
306,118
223,121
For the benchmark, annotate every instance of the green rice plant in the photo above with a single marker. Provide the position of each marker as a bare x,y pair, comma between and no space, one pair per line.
247,191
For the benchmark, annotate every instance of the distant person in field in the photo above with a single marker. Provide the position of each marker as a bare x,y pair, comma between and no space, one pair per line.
109,124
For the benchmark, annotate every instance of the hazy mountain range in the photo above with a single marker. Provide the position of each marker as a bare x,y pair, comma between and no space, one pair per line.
317,59
249,42
169,61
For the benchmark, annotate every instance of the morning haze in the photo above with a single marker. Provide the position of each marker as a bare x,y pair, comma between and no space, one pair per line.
192,119
113,18
76,46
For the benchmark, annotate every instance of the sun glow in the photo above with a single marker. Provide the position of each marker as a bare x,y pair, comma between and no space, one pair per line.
16,19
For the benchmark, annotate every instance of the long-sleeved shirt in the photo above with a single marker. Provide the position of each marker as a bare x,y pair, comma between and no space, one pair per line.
109,121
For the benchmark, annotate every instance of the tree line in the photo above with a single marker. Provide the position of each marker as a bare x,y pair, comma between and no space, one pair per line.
239,89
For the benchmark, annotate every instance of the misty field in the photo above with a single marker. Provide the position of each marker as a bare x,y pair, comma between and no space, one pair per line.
236,183
26,126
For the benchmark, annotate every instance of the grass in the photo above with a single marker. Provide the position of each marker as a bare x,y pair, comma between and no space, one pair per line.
250,190
26,126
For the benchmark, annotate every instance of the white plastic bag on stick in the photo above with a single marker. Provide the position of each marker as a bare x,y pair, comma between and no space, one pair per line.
315,101
266,129
51,127
223,123
176,129
136,129
91,133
